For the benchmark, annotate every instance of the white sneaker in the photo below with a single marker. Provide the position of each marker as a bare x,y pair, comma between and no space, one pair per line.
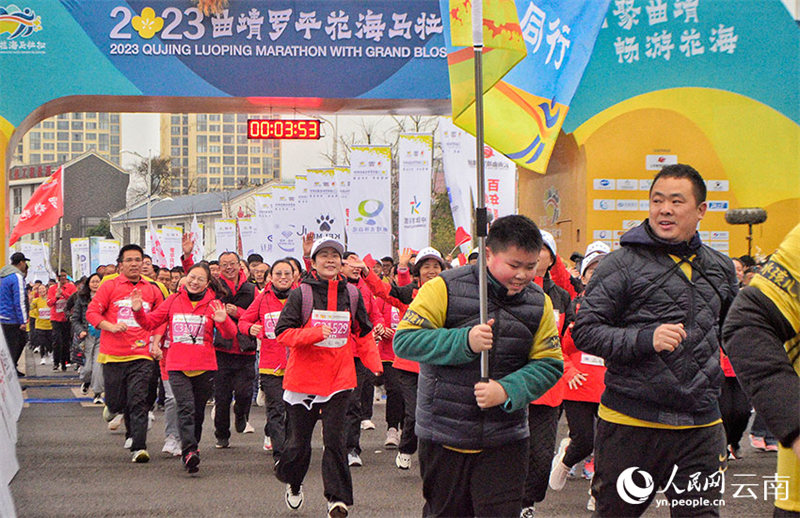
151,417
527,512
294,501
128,443
261,398
403,460
366,424
43,361
337,510
267,443
172,446
558,471
248,428
354,459
392,438
115,423
591,504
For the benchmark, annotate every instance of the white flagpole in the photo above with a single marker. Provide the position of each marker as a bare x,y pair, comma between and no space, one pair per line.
481,220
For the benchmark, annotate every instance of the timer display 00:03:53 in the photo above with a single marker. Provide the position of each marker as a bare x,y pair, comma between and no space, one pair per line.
283,129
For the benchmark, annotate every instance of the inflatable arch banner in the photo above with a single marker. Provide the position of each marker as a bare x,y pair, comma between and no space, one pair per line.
713,83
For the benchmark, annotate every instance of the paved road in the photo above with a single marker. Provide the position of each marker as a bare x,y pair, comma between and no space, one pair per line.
70,465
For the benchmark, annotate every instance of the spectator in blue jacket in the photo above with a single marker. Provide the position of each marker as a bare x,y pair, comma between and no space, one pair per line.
14,304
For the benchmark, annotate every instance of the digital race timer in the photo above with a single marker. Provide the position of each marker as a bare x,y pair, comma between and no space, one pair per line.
283,129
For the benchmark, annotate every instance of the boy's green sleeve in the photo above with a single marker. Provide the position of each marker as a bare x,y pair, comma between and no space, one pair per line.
421,335
544,368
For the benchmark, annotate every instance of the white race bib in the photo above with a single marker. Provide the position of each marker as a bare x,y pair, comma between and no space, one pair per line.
61,305
338,321
125,312
395,317
44,313
188,328
590,359
270,319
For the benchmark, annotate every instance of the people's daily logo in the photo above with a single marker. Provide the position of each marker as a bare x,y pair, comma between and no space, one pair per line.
635,486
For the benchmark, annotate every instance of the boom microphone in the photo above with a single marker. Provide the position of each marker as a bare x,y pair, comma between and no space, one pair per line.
749,216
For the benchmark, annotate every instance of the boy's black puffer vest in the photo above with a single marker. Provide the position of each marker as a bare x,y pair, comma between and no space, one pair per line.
447,412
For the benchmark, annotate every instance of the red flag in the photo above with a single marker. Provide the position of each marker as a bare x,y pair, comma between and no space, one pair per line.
462,236
156,250
369,261
462,259
43,210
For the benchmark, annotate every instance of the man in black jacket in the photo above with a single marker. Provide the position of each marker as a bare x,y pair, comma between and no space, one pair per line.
652,311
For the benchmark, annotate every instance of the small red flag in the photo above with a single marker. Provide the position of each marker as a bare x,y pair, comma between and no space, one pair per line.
43,210
462,236
462,259
369,261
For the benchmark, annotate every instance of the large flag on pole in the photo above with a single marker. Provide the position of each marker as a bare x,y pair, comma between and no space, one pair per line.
525,110
43,210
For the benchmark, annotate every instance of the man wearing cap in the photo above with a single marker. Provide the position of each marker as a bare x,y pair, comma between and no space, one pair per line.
653,311
14,304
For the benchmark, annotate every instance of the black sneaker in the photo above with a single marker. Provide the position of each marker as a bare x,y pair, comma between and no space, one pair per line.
191,462
85,388
241,423
222,443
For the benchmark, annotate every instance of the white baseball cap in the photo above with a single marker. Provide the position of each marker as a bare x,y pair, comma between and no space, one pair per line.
326,242
594,252
550,242
429,253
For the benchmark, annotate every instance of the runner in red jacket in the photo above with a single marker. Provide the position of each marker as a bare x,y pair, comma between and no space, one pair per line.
259,321
192,314
323,322
57,297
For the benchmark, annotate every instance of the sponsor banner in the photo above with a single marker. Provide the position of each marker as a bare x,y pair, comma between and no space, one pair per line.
628,224
325,217
602,235
627,204
720,235
38,253
225,233
717,185
718,206
264,227
369,204
628,185
109,251
414,175
285,240
79,248
604,204
457,175
170,238
94,251
343,179
603,184
301,204
199,248
248,233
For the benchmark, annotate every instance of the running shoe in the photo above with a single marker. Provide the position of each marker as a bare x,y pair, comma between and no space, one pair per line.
354,459
140,457
267,443
527,512
367,424
758,442
592,503
98,400
222,443
402,461
85,388
151,417
191,462
248,428
771,447
293,499
588,469
392,438
337,510
261,398
115,423
558,471
172,446
734,453
128,443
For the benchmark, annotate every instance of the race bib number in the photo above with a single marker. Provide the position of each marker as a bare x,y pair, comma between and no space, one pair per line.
44,314
61,305
270,319
338,321
188,328
557,315
125,312
590,359
395,317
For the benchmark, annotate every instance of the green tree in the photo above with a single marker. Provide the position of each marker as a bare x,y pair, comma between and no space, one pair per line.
102,229
443,233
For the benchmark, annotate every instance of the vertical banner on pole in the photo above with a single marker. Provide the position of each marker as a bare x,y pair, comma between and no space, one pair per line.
325,211
108,249
248,233
94,252
285,240
79,248
458,176
500,188
37,266
415,167
264,226
343,181
370,201
301,204
225,234
199,249
170,238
